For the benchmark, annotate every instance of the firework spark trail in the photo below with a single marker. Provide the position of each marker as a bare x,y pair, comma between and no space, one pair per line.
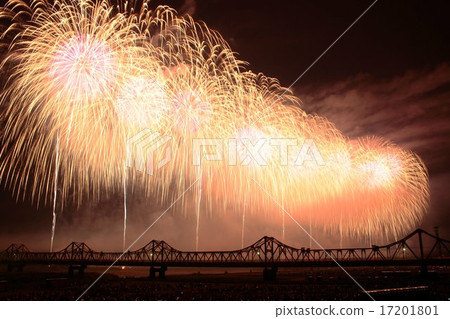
125,214
93,77
283,230
244,208
199,203
55,196
243,227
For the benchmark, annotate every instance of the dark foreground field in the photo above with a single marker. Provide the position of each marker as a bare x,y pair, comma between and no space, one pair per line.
44,283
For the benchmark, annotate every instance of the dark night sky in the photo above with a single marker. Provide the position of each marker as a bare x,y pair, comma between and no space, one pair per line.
388,76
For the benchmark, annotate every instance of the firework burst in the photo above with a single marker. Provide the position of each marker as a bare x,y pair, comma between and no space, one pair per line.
85,79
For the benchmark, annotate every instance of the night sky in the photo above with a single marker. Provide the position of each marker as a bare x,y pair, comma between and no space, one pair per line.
388,76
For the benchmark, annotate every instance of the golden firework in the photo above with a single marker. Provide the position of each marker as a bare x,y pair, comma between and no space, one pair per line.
85,79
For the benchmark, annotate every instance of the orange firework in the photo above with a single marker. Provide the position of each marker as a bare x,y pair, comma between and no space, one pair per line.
86,79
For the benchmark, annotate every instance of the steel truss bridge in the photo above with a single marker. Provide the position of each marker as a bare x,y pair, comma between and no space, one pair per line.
419,248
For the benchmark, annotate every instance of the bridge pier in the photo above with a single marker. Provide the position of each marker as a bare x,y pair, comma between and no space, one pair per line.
73,268
270,274
161,272
423,264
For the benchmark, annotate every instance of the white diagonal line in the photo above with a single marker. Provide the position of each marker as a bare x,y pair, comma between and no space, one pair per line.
318,244
315,61
140,236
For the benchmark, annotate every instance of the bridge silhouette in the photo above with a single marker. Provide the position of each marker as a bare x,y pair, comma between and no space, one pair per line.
419,248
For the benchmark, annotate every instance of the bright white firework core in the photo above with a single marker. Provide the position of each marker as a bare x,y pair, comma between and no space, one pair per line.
190,111
380,172
83,67
142,102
